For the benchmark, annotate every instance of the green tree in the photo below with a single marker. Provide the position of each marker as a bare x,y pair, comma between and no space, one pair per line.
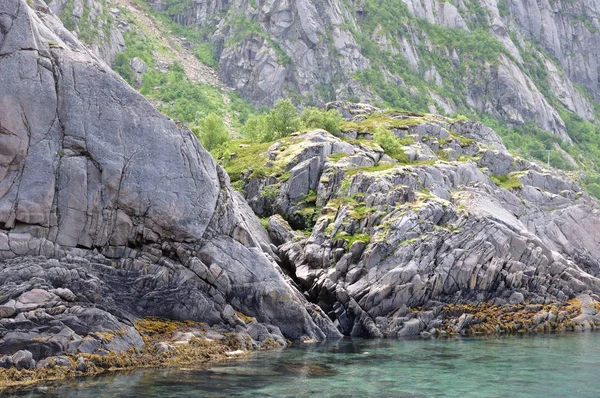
390,144
280,122
255,127
211,131
330,120
283,119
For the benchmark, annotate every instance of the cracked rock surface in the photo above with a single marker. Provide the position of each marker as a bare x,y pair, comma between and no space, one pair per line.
394,244
110,211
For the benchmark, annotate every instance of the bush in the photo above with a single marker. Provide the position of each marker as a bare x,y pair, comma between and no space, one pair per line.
280,122
390,144
206,54
593,189
211,132
330,120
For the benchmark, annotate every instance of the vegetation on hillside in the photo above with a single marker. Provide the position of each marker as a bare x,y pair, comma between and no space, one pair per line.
166,84
192,103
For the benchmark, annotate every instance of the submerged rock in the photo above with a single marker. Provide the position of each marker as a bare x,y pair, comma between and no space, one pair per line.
307,369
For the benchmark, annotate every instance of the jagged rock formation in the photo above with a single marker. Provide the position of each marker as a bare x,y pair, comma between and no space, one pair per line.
568,31
459,221
305,44
515,61
109,211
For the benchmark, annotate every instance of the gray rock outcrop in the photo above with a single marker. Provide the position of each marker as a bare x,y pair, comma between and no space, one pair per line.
392,245
109,211
94,24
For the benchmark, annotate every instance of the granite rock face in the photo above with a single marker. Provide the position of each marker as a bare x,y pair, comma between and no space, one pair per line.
317,52
94,23
109,211
394,244
314,46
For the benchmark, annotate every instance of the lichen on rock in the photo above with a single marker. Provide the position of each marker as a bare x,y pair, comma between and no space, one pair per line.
393,245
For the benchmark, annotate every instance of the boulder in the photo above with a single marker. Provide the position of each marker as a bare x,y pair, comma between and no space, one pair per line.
23,359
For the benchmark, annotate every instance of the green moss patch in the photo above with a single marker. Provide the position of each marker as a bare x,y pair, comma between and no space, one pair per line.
509,182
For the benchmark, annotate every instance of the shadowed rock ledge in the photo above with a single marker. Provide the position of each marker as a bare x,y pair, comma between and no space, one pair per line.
109,211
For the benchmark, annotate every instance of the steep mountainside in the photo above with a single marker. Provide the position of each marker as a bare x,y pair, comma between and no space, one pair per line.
109,211
516,61
527,70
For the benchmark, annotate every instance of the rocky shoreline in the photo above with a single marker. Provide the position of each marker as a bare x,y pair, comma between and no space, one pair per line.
170,343
167,343
114,219
110,213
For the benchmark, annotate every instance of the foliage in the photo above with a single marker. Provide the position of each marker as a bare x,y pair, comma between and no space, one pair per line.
256,128
271,192
509,182
350,239
330,120
89,28
479,44
179,97
390,144
264,221
593,189
67,15
283,119
206,54
239,156
279,122
211,132
370,169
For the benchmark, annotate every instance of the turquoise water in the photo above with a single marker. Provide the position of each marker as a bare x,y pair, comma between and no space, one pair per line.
542,366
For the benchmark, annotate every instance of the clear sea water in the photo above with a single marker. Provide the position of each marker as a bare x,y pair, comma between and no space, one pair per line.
564,365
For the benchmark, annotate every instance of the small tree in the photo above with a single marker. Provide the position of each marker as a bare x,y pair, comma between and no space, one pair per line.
280,122
390,144
256,128
330,120
284,119
211,132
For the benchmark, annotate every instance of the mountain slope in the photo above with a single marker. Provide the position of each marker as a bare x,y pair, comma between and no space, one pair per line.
442,56
481,59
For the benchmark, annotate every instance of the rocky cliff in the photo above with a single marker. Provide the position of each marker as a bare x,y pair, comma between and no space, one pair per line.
93,21
109,211
276,48
447,236
515,61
